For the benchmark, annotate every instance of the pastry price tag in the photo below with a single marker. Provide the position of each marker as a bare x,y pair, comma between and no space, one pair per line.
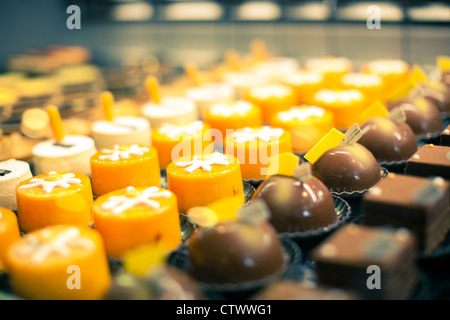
352,135
429,193
397,115
303,172
255,212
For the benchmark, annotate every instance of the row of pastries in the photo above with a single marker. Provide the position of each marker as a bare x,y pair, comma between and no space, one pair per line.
303,138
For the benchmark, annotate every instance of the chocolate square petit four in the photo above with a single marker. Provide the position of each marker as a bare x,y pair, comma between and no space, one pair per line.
430,161
445,137
416,203
375,263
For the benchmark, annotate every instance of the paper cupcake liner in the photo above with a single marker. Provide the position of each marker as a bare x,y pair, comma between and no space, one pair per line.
359,193
307,240
292,270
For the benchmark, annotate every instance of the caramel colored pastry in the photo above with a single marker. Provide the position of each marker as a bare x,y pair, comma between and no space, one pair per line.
295,205
347,168
235,252
132,217
387,140
346,105
306,123
122,166
173,141
54,198
254,147
60,262
421,115
271,99
202,179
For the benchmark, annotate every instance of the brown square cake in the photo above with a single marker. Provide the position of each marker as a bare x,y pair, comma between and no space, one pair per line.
430,161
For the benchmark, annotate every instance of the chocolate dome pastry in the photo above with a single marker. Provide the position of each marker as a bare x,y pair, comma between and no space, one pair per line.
388,138
297,204
348,167
437,93
421,115
235,251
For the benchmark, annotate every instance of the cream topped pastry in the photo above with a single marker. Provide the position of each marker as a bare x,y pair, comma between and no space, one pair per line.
265,134
239,108
209,94
275,68
12,172
178,130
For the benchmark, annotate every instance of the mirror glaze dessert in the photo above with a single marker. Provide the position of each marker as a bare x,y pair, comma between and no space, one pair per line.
347,168
387,140
235,252
296,205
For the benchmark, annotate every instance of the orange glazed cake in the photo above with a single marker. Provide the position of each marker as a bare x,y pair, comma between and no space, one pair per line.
202,179
370,84
346,105
60,262
393,71
232,116
131,217
333,68
173,141
254,147
305,84
9,232
54,198
307,125
122,166
271,98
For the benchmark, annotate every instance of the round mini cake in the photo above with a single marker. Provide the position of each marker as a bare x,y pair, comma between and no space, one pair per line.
306,123
242,81
271,98
387,140
275,68
295,205
131,217
124,130
9,232
209,94
61,262
421,115
201,179
122,166
54,198
12,172
346,105
347,168
436,92
254,147
393,71
170,110
235,252
305,84
333,68
371,85
232,116
173,141
72,153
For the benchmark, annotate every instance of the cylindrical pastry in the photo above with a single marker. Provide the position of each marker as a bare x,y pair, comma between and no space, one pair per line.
170,110
12,172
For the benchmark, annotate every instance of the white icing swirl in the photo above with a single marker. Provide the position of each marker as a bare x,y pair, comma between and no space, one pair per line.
301,78
115,154
269,91
346,96
388,66
119,204
172,130
265,134
240,108
64,182
300,114
204,162
362,80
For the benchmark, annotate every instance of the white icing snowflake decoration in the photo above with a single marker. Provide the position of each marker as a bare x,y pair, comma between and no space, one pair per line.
178,130
204,164
116,154
301,114
64,182
38,250
240,108
265,134
119,204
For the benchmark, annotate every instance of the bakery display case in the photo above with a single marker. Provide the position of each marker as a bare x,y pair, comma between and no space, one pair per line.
224,150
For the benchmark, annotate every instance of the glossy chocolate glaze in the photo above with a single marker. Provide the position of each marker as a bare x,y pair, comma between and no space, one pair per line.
445,78
387,140
235,252
347,168
421,115
296,205
438,94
